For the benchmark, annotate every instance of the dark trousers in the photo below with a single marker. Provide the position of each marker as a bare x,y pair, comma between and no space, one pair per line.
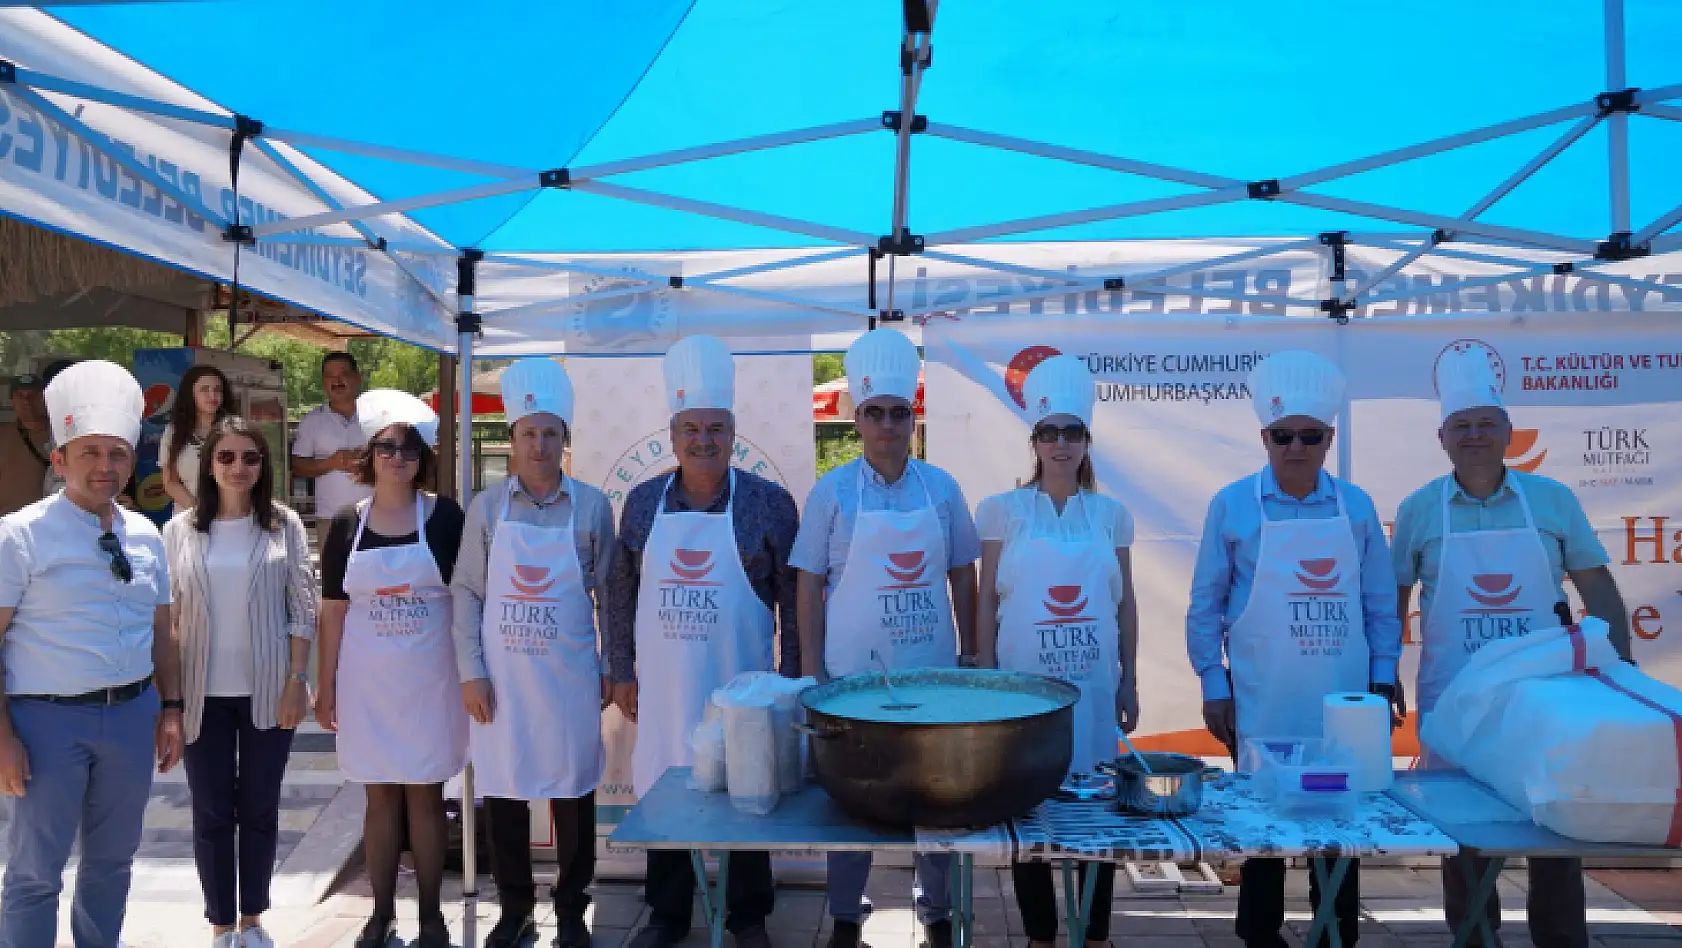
1261,903
749,892
508,831
1555,905
1036,898
234,771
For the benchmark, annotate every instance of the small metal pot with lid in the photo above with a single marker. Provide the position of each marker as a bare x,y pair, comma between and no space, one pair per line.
954,747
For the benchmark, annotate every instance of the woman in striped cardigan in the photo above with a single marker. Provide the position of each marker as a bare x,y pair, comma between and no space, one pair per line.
245,608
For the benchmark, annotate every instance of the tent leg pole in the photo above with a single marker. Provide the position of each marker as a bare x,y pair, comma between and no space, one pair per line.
467,325
1617,128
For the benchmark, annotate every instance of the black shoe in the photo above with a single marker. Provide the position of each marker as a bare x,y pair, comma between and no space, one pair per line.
377,932
937,935
574,933
653,937
511,930
845,935
434,933
755,937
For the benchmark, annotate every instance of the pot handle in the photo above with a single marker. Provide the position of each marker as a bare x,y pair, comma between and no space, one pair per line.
822,734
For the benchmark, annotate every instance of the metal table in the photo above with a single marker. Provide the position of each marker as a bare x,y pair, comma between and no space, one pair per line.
672,816
1485,826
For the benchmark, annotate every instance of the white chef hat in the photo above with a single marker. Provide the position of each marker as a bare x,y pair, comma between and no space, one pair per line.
1061,385
1466,379
882,362
1295,382
700,373
535,385
380,408
95,397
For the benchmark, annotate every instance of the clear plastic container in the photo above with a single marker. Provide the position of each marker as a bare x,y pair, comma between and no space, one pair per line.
1304,778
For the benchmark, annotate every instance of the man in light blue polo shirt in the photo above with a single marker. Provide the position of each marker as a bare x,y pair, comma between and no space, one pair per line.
1489,548
88,648
1293,585
882,542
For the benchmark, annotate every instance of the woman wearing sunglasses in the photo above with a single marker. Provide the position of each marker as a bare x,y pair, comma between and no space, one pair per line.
201,400
1057,599
245,606
389,685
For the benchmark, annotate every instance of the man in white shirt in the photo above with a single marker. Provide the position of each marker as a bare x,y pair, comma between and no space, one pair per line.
87,649
329,438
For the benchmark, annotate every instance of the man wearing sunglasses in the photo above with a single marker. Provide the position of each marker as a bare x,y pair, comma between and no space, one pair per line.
882,542
1485,523
1294,584
88,650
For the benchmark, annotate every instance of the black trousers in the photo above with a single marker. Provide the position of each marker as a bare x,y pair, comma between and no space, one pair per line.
234,772
1261,903
749,892
1036,898
1555,904
508,831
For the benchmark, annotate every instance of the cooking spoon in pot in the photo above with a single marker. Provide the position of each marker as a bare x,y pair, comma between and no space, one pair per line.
1133,750
894,704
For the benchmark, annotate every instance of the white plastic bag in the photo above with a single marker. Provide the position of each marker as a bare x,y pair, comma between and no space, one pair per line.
707,746
750,747
1568,734
786,712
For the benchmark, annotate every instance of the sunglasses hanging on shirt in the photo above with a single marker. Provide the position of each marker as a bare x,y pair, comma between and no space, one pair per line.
112,547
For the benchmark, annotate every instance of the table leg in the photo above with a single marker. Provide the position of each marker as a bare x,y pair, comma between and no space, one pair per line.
712,896
1325,915
1477,910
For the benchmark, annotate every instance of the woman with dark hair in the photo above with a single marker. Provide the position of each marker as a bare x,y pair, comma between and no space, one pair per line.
244,610
201,400
1057,599
389,684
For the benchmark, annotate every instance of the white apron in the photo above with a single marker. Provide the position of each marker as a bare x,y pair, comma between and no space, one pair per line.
1491,584
399,695
1057,617
699,623
544,741
1302,634
892,597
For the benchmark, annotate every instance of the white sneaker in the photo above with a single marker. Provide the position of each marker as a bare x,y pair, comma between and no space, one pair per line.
227,940
255,937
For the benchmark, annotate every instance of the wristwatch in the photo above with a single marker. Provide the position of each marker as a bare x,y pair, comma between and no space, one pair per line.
172,704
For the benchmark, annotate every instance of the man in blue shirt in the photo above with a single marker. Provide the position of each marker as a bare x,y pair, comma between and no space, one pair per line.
1487,532
88,650
1293,585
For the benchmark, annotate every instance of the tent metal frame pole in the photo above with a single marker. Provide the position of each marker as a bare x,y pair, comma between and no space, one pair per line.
1666,244
107,147
133,103
1656,110
914,47
402,155
467,326
1657,227
1516,235
1159,205
723,212
1617,139
946,256
1588,270
400,205
723,149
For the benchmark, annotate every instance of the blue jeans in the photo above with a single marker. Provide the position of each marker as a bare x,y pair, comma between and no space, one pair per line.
931,887
90,773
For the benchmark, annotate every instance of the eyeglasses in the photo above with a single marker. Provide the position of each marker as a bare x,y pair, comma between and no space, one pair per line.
120,568
1070,434
409,450
1282,437
898,414
251,458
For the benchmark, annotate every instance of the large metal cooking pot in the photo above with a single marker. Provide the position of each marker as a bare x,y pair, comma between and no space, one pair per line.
976,771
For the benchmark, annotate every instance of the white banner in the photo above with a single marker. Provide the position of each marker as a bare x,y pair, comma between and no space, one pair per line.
1592,399
621,437
53,175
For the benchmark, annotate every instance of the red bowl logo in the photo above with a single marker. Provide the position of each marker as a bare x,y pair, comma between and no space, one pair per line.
906,567
1494,589
1519,447
1061,601
1016,373
156,397
530,580
402,590
1318,574
691,564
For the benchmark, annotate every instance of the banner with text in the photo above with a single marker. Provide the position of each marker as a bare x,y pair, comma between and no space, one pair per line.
1591,398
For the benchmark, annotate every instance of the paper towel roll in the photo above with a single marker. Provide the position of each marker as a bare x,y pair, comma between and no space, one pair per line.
1360,724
